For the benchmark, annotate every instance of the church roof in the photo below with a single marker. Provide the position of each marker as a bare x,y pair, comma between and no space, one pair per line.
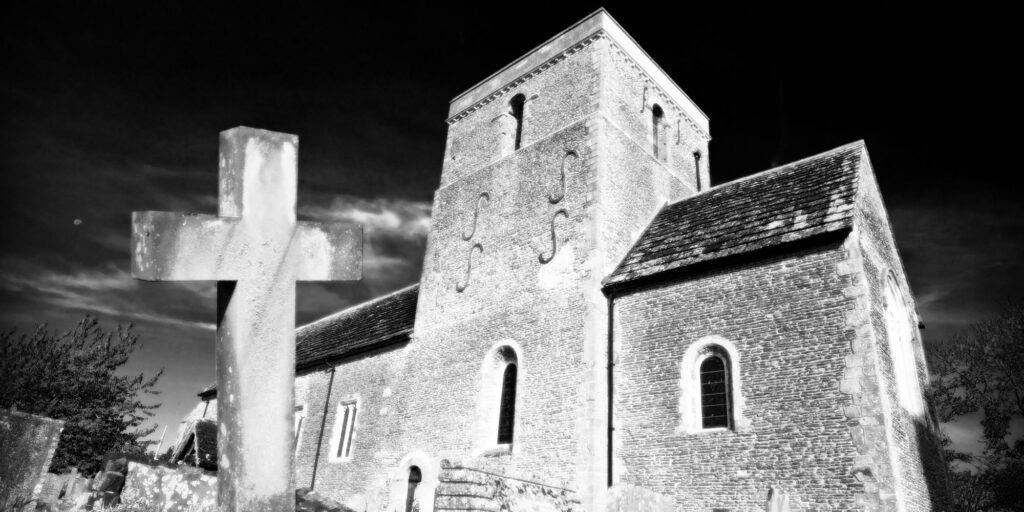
789,203
380,321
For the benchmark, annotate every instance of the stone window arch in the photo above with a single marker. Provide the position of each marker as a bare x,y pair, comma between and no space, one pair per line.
899,328
413,483
710,397
497,415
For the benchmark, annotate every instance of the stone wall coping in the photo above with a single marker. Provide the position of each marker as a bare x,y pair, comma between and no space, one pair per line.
36,417
598,23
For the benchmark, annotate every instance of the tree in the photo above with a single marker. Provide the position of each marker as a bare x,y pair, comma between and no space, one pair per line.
983,370
73,376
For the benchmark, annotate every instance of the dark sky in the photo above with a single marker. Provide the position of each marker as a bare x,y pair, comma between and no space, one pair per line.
113,107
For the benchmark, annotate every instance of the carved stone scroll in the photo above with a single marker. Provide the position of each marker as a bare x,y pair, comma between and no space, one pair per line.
557,198
554,238
459,287
476,213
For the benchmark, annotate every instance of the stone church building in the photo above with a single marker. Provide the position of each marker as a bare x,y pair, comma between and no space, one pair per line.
596,322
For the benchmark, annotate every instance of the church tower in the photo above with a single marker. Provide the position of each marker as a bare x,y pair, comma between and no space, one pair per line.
553,167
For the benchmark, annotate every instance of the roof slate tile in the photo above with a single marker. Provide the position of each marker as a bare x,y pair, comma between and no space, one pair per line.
793,202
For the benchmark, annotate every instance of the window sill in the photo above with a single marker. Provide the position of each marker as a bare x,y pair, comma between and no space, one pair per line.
500,450
706,431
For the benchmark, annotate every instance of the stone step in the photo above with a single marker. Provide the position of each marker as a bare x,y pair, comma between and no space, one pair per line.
465,489
465,476
465,503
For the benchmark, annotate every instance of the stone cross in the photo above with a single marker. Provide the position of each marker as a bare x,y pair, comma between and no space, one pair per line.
255,250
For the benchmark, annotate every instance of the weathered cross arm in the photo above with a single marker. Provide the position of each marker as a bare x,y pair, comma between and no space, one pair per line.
170,246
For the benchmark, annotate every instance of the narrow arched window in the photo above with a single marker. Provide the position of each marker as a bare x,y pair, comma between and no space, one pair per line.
517,103
696,168
507,411
714,392
415,477
657,117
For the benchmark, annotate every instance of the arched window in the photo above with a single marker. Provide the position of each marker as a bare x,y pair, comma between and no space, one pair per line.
495,426
696,168
507,410
415,477
899,327
714,392
657,118
517,103
710,396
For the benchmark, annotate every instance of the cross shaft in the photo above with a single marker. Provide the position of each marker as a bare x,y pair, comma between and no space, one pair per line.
255,250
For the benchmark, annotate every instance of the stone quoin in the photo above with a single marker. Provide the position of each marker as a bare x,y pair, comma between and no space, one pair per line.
596,326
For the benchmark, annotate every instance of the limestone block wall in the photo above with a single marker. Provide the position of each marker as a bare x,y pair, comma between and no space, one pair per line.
376,383
627,98
920,472
561,93
786,317
523,288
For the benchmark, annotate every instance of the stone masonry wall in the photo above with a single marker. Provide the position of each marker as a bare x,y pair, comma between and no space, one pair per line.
917,456
786,317
376,382
628,96
556,96
512,297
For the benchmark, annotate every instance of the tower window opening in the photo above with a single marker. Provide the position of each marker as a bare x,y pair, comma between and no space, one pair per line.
415,477
696,168
507,410
345,428
657,118
714,393
518,102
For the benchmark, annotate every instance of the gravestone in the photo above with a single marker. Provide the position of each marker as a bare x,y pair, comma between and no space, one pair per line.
255,250
27,445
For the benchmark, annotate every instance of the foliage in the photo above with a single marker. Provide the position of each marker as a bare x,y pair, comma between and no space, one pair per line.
73,376
980,370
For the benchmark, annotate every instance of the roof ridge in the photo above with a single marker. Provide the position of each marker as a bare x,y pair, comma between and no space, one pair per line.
778,168
353,308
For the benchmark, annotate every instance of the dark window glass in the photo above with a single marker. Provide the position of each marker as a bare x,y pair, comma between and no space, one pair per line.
415,477
517,103
714,393
696,168
657,116
348,424
506,418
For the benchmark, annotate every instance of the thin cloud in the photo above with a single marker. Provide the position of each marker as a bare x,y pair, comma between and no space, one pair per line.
379,217
107,291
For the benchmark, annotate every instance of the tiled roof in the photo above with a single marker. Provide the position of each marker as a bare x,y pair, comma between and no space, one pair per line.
793,202
206,444
385,319
198,447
